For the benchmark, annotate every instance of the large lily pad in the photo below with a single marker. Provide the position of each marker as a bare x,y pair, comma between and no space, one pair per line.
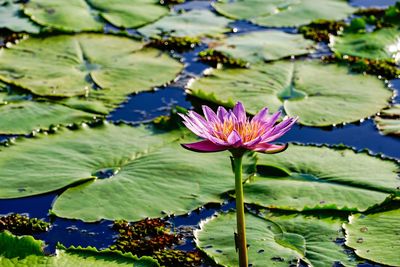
319,94
375,237
263,46
151,175
25,116
194,23
306,178
68,65
278,13
27,251
388,121
274,241
12,18
383,44
92,13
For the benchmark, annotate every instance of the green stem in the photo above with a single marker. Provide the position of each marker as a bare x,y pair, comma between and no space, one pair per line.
241,226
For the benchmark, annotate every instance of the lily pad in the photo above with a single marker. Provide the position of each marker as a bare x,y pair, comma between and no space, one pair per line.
286,13
375,237
388,121
93,13
274,240
25,116
263,46
150,176
307,178
195,23
27,251
319,94
383,44
67,65
12,18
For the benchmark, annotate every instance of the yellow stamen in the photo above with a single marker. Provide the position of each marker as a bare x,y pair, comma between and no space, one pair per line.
248,131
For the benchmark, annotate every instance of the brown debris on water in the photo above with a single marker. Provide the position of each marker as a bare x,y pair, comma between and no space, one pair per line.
22,224
179,44
8,38
152,237
320,30
215,57
384,68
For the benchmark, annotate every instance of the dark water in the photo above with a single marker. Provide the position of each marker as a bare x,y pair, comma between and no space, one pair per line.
372,3
4,138
146,106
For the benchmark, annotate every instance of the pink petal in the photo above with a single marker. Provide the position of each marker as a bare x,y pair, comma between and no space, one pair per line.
261,115
195,129
217,141
232,117
204,146
210,114
269,148
198,120
279,130
272,120
234,139
253,142
222,113
239,112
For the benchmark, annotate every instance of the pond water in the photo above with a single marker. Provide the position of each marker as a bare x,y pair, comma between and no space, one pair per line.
146,106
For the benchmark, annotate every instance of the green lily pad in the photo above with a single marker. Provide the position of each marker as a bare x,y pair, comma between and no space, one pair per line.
375,237
25,116
12,246
275,240
383,44
99,102
286,13
27,251
124,13
93,13
319,94
388,121
12,18
67,65
263,46
195,23
307,178
150,175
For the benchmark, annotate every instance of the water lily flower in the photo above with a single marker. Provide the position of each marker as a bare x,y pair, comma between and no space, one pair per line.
232,130
229,130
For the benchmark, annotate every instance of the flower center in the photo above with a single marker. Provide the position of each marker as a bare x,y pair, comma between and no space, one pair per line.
247,131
